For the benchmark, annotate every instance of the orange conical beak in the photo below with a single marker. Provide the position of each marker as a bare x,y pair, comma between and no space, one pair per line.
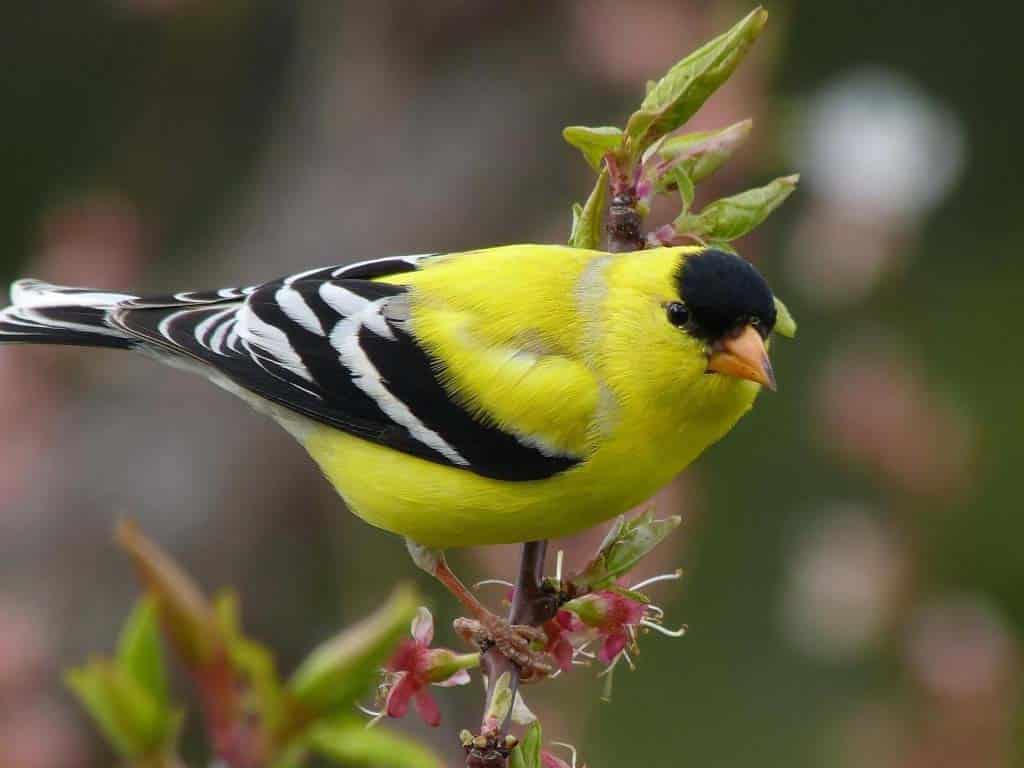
744,357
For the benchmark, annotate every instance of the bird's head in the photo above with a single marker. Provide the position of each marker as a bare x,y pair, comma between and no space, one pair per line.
693,325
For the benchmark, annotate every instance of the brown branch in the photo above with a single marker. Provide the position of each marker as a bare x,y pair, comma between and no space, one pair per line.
532,605
623,225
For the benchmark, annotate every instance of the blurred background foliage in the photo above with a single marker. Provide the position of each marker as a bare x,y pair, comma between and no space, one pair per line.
853,582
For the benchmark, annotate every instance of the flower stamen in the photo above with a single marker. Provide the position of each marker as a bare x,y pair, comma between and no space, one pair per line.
489,582
663,630
570,747
674,576
375,717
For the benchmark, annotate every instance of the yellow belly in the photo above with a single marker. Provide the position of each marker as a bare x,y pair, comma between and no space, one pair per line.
441,506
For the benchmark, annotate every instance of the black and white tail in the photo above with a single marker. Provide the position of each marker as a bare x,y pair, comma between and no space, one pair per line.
41,313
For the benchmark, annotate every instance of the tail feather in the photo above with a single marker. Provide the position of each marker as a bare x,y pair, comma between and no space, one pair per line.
41,313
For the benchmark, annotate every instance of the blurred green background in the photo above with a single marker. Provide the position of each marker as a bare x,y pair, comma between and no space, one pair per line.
853,582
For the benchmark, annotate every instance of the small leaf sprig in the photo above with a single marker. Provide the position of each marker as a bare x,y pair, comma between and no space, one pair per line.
653,156
601,607
127,695
251,716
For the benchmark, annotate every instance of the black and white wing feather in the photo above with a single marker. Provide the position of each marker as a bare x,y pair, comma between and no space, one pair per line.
331,344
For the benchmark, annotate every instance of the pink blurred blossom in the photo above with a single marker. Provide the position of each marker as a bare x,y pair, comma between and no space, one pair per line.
960,648
38,734
626,45
96,241
962,654
876,409
34,732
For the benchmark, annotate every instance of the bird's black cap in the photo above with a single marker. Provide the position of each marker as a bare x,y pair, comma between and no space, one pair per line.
723,292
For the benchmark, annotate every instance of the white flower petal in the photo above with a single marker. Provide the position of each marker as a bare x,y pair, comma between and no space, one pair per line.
423,626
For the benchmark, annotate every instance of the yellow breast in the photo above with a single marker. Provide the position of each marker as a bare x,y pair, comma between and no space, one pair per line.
444,507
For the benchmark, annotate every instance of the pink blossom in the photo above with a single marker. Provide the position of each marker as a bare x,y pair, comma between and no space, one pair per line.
614,617
560,631
415,666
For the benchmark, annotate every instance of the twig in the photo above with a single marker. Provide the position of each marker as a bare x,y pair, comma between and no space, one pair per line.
530,605
623,226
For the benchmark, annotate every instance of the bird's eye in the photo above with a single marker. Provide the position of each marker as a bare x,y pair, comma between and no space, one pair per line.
677,313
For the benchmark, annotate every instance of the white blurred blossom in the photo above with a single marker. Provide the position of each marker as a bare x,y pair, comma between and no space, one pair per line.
876,154
875,139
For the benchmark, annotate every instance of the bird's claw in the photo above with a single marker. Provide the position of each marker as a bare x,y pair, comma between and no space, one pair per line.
514,641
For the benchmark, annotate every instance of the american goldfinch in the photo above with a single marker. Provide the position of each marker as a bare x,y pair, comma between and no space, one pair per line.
502,395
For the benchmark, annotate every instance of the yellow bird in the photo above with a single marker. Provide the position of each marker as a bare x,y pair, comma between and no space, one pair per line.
502,395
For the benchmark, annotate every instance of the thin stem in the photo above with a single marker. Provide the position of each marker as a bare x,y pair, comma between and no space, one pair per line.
529,606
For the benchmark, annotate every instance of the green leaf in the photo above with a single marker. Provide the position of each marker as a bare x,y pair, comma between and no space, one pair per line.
126,713
785,325
733,217
140,653
522,714
499,703
334,675
624,546
293,756
586,224
351,743
594,143
640,536
680,179
527,754
577,214
700,154
680,93
253,662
